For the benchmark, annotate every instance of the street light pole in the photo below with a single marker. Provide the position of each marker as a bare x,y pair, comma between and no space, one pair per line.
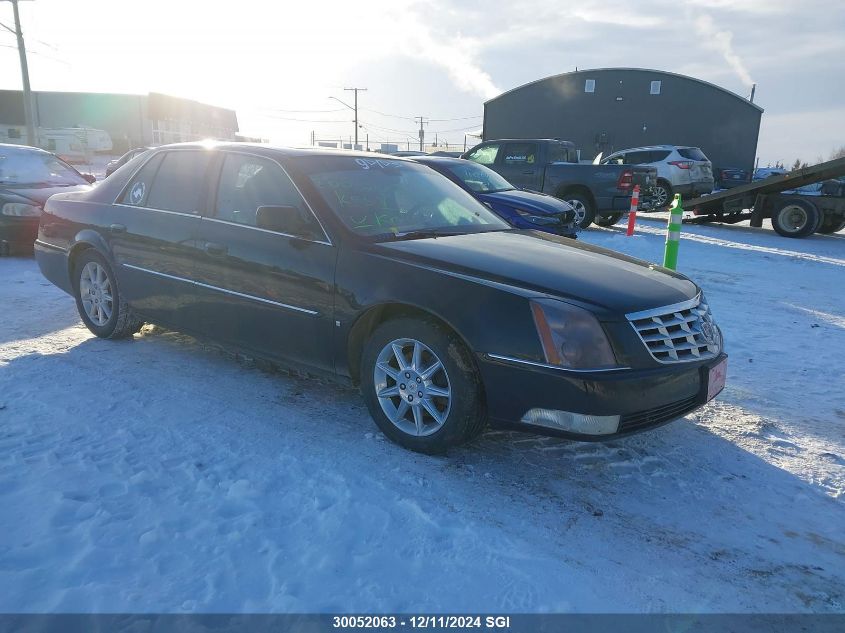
355,90
27,93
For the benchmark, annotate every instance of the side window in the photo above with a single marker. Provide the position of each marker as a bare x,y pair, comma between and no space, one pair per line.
139,189
560,153
619,159
660,155
520,154
637,158
485,155
248,182
178,183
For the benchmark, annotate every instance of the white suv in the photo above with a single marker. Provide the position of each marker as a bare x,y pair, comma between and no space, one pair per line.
683,170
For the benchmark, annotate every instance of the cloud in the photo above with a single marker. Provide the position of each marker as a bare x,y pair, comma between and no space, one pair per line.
455,53
721,41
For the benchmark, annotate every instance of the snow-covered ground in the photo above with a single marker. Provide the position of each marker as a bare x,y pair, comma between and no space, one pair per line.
161,474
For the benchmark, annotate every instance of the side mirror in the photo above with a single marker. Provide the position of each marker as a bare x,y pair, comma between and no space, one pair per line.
90,178
282,219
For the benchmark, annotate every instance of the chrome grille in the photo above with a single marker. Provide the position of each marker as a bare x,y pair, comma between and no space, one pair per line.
678,333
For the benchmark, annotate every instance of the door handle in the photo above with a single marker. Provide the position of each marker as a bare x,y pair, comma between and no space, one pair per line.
529,172
117,228
213,248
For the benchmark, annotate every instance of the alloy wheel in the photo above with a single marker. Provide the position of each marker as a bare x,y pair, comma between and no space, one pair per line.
95,290
412,387
580,211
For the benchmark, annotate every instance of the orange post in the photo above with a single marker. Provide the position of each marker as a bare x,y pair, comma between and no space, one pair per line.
632,214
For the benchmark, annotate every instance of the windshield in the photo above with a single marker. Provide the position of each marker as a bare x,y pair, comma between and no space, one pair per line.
384,197
479,178
31,167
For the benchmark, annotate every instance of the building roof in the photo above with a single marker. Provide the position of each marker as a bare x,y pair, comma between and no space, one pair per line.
636,70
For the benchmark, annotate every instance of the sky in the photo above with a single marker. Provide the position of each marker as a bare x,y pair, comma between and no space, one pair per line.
278,63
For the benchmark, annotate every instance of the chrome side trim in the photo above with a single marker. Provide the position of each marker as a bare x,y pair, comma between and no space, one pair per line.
568,370
257,228
223,290
51,246
132,206
675,307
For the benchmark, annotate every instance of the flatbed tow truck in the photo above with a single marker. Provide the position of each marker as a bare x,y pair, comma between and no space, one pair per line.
793,214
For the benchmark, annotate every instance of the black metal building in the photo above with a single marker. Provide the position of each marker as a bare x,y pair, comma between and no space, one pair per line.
610,109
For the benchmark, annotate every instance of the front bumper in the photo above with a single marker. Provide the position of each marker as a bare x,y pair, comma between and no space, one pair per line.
643,398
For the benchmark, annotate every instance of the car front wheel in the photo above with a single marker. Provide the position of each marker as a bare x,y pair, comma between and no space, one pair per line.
585,213
98,298
421,385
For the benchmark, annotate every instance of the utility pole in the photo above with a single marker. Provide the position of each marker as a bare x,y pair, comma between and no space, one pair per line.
422,132
27,93
355,90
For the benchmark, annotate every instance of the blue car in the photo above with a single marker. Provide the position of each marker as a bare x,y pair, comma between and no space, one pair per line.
519,208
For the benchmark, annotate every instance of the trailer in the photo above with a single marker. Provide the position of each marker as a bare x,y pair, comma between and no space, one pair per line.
792,213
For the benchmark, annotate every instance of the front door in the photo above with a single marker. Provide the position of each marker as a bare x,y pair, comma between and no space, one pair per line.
265,290
518,163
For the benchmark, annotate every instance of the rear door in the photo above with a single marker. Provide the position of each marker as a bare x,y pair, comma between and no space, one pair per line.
268,291
519,163
152,234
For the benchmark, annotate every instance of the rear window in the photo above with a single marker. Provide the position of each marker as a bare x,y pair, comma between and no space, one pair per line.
170,181
692,153
562,154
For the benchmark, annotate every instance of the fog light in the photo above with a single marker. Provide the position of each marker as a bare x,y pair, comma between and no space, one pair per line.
573,422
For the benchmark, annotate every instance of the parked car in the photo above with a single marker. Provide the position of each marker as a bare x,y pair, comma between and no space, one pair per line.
680,169
519,208
730,177
765,172
408,152
600,194
114,165
379,271
28,176
446,153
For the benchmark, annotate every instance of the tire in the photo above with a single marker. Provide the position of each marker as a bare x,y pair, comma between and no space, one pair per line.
585,211
831,225
98,299
796,218
662,194
460,417
608,220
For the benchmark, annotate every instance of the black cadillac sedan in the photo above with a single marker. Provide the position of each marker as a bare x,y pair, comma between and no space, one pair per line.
382,272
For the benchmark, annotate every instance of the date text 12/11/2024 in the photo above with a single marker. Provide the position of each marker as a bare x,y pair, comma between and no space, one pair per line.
422,622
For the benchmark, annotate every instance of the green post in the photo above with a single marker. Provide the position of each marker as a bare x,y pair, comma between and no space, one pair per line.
673,233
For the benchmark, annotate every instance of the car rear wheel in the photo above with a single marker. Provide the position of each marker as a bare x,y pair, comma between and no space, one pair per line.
421,385
609,220
98,298
796,218
662,194
585,213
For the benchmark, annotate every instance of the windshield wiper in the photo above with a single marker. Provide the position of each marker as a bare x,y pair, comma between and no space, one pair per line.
418,234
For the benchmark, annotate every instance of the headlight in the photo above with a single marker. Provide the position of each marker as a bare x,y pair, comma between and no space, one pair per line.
542,220
21,210
571,336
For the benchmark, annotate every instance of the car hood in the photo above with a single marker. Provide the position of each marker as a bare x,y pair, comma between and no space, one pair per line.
612,282
527,200
35,193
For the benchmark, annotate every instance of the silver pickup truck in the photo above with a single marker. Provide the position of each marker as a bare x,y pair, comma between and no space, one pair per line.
599,193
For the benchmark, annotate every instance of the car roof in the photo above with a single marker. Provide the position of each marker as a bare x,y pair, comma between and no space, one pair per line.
528,140
652,147
277,150
22,148
440,160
